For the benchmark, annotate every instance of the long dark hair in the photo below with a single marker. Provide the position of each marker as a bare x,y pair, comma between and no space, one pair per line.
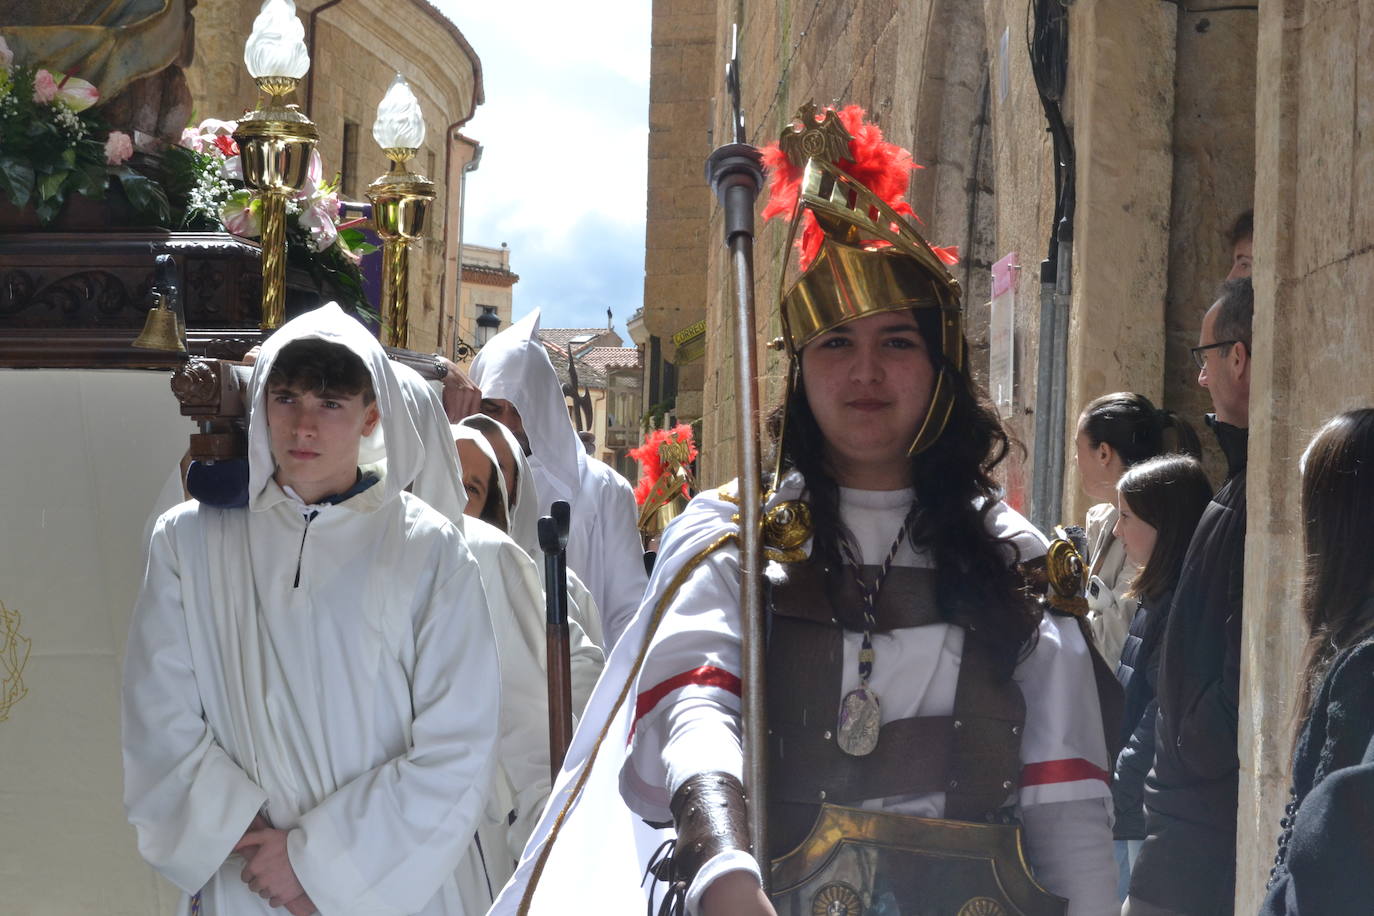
1136,429
1337,503
1168,494
976,585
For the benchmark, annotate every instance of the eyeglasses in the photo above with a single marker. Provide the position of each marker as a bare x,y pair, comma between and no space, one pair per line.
1200,353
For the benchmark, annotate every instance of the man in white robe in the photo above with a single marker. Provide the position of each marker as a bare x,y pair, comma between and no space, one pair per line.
310,686
520,388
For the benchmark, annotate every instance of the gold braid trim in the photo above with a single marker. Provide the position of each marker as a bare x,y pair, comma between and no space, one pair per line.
659,610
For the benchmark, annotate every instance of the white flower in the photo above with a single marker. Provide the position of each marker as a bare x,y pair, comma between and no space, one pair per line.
6,55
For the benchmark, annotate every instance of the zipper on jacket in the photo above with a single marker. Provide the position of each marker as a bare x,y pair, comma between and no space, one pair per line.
301,556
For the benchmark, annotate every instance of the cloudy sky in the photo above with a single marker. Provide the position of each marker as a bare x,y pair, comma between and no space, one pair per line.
564,132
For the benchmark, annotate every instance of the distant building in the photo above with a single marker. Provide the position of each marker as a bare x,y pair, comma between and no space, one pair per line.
485,293
611,375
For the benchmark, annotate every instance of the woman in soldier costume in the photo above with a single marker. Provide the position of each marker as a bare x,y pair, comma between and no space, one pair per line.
914,679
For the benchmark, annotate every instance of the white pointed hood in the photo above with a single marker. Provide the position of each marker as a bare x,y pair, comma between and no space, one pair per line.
398,444
523,520
440,481
514,366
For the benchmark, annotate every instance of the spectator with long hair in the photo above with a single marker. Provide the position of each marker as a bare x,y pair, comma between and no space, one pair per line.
1325,850
1160,501
1115,432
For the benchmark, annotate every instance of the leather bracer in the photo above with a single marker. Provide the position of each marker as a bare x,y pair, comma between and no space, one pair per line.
710,813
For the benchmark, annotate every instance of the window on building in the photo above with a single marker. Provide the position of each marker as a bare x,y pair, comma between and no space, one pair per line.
348,162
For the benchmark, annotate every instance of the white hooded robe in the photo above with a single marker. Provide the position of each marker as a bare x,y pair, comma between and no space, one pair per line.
603,544
332,667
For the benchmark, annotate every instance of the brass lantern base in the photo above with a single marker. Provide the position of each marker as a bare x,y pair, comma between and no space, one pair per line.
400,208
275,143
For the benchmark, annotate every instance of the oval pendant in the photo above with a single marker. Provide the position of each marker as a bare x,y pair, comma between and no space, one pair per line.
859,722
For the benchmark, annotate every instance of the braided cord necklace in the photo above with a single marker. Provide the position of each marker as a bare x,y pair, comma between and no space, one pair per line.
859,719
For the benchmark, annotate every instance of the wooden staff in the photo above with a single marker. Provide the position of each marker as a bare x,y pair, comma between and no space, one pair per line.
553,540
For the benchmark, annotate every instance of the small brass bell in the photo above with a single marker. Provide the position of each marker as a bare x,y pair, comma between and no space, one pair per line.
161,330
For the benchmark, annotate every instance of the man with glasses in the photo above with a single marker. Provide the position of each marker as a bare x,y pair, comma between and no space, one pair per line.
1188,862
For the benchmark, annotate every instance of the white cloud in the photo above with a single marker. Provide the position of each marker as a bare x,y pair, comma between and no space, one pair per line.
564,165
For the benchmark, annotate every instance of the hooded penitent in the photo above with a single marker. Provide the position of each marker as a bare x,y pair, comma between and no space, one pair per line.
514,366
516,600
323,665
522,523
603,544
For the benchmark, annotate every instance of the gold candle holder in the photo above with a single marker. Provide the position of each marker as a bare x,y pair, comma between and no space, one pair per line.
400,206
275,143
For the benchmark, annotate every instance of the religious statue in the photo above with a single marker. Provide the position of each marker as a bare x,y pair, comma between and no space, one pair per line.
134,51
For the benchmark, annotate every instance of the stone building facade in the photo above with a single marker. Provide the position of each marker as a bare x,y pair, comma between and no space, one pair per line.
356,48
1181,116
486,288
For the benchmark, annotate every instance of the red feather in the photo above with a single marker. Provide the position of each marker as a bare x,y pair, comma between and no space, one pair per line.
651,465
882,167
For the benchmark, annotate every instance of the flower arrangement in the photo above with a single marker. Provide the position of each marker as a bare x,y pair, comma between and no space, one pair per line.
52,145
204,178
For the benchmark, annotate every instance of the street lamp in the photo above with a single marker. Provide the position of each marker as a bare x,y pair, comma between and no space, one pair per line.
275,142
487,323
400,202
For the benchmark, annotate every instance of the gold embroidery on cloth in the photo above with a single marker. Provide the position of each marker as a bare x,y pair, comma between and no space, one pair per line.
14,655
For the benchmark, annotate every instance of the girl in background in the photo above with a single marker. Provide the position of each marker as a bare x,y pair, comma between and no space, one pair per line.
1159,502
1325,850
1115,432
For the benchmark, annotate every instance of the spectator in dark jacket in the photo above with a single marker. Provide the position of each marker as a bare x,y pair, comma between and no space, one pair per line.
1325,861
1188,861
1159,503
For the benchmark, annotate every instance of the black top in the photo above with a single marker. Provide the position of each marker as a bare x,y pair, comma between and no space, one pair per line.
1326,851
1190,797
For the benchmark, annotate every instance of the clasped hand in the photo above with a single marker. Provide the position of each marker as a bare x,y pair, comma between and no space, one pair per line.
269,873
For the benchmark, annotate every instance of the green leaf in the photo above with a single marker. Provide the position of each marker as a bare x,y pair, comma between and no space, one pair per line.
146,196
47,210
90,180
69,157
16,179
50,185
356,242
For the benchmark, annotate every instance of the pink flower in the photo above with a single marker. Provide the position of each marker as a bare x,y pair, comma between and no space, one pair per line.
192,140
313,177
118,147
6,55
240,215
77,94
44,87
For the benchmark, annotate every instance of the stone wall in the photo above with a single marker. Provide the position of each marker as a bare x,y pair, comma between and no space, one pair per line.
1314,328
357,48
675,237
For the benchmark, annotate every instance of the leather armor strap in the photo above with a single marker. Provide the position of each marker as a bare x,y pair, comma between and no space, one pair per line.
907,598
710,813
973,755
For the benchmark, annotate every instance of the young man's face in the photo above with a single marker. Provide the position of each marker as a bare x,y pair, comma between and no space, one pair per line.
315,439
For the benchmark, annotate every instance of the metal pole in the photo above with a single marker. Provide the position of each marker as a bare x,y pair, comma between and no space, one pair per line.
736,175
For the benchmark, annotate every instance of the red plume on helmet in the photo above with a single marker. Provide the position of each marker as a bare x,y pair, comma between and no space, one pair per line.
882,167
650,458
